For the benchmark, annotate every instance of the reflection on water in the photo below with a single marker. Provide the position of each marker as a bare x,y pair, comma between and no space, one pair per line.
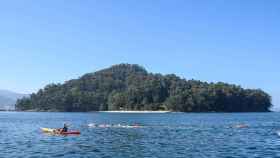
141,135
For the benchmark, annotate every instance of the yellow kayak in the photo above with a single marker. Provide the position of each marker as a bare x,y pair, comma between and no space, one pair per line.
54,131
48,130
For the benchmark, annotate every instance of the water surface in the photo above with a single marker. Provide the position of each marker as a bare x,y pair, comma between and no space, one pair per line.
161,135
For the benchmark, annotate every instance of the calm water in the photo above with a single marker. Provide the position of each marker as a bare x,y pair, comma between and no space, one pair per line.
162,135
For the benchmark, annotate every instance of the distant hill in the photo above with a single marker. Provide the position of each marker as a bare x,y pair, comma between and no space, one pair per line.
131,87
8,99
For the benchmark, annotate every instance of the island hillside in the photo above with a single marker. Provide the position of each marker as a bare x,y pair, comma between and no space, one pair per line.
131,87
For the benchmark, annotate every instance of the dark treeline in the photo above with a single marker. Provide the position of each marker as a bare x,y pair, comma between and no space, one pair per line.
131,87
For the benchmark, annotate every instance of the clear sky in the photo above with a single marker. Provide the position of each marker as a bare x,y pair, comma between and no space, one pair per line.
216,40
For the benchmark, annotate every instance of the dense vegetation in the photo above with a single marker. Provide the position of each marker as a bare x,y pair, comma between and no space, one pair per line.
131,87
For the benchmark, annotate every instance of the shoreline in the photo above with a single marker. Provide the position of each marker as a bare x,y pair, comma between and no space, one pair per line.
132,111
161,112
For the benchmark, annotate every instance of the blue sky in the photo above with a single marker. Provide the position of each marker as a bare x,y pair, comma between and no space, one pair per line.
216,40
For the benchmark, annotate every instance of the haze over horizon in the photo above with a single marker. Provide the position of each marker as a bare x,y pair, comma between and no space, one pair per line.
52,41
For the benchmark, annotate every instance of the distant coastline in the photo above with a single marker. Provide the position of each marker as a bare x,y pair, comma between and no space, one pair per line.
130,112
116,111
135,112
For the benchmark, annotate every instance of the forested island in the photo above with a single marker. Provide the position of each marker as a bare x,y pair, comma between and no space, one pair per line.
131,87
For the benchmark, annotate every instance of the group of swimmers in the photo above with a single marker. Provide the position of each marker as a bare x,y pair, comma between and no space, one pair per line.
92,125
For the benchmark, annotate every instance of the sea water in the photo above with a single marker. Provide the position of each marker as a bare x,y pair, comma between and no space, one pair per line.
156,135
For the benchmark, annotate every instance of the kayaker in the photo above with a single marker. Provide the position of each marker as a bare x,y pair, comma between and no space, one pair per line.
60,130
65,128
